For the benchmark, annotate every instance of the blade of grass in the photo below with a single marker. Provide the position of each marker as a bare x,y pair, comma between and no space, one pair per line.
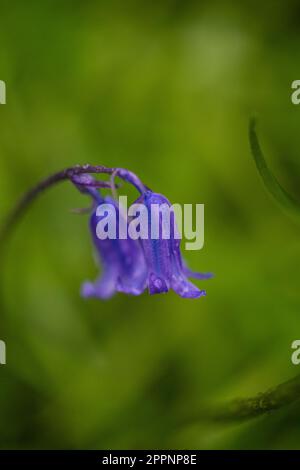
283,198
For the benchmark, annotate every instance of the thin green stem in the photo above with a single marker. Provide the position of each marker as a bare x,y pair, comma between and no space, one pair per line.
285,200
248,408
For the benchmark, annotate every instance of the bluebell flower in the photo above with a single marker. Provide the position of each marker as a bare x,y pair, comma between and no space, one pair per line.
122,261
130,265
166,269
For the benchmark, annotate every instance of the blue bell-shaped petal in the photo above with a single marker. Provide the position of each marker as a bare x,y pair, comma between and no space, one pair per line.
122,260
163,257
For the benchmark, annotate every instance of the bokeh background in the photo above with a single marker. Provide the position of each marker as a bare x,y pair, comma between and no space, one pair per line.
165,88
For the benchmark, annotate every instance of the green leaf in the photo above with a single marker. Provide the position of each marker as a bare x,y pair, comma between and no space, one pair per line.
284,199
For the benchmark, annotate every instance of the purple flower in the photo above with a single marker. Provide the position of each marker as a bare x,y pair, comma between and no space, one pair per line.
122,261
165,266
130,265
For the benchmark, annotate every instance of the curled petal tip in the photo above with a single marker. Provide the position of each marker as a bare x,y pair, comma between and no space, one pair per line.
87,290
100,290
203,276
195,294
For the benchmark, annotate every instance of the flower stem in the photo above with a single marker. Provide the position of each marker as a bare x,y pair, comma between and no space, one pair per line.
243,409
23,204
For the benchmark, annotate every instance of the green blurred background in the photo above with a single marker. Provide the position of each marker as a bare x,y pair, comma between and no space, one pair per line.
165,88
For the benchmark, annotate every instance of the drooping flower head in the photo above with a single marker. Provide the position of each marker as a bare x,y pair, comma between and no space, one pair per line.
122,261
130,265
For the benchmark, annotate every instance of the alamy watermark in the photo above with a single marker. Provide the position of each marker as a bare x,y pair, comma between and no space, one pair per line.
2,92
295,357
160,221
295,96
2,353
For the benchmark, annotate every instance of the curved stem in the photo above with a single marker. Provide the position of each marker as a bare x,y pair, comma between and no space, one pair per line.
66,174
271,183
248,408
